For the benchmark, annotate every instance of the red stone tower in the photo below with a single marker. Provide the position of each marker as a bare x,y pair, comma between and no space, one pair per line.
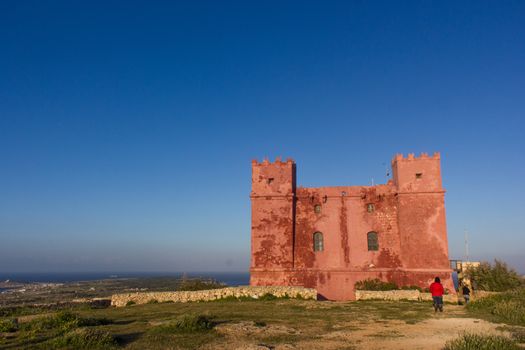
421,212
273,194
329,238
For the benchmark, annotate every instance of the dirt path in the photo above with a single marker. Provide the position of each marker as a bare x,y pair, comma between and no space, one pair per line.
429,334
384,334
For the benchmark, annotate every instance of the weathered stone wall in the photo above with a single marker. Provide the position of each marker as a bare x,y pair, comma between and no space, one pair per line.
395,295
212,294
406,215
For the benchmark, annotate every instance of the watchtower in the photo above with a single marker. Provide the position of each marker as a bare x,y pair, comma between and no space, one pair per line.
421,211
272,197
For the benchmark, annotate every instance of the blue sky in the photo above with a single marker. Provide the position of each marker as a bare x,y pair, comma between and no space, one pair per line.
127,128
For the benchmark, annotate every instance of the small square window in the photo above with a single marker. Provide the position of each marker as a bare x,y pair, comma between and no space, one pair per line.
419,175
270,180
317,209
370,207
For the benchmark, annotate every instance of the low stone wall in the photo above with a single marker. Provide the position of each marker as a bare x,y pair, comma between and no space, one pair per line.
447,298
212,294
395,295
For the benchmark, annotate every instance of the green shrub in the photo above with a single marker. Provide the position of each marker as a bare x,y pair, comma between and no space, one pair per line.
375,284
62,322
130,302
85,338
259,324
298,296
497,277
481,342
89,322
269,297
186,323
506,307
153,301
8,325
194,323
199,284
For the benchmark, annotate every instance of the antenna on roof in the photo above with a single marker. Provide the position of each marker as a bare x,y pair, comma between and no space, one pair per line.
387,172
466,246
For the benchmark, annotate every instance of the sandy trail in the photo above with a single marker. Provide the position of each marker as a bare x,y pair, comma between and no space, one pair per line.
389,334
429,334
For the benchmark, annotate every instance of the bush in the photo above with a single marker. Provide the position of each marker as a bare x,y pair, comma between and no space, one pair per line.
62,322
153,301
193,323
10,325
85,338
186,323
506,307
481,342
375,284
130,302
497,278
89,322
269,297
259,324
199,284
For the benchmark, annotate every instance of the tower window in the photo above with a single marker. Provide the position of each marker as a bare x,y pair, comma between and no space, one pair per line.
419,175
318,242
370,207
373,243
317,209
270,180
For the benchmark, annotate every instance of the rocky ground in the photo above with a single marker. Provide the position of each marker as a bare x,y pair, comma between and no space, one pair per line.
272,324
230,324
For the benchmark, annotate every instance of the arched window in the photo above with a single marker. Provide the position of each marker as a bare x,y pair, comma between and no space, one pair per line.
317,209
373,243
318,242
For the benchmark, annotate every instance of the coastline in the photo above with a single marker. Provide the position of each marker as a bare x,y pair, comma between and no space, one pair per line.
17,278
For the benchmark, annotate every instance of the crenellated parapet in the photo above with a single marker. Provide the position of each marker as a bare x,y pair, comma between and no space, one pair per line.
278,161
417,174
329,238
412,156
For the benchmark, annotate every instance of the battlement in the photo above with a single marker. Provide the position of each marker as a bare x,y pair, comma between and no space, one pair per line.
278,161
411,156
417,174
273,178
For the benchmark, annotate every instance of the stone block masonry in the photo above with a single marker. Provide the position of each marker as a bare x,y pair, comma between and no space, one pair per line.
329,238
212,294
397,295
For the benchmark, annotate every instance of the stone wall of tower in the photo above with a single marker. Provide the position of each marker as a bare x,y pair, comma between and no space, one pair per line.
272,197
407,214
421,214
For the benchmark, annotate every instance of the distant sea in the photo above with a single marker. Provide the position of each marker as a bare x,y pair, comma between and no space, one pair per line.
229,278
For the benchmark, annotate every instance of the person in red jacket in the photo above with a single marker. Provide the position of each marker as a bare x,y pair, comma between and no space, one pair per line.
437,291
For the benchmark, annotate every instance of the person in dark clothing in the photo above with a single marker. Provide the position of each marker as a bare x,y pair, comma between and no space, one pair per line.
437,291
466,293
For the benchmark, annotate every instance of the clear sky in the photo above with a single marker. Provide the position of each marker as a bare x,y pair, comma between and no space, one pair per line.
127,128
